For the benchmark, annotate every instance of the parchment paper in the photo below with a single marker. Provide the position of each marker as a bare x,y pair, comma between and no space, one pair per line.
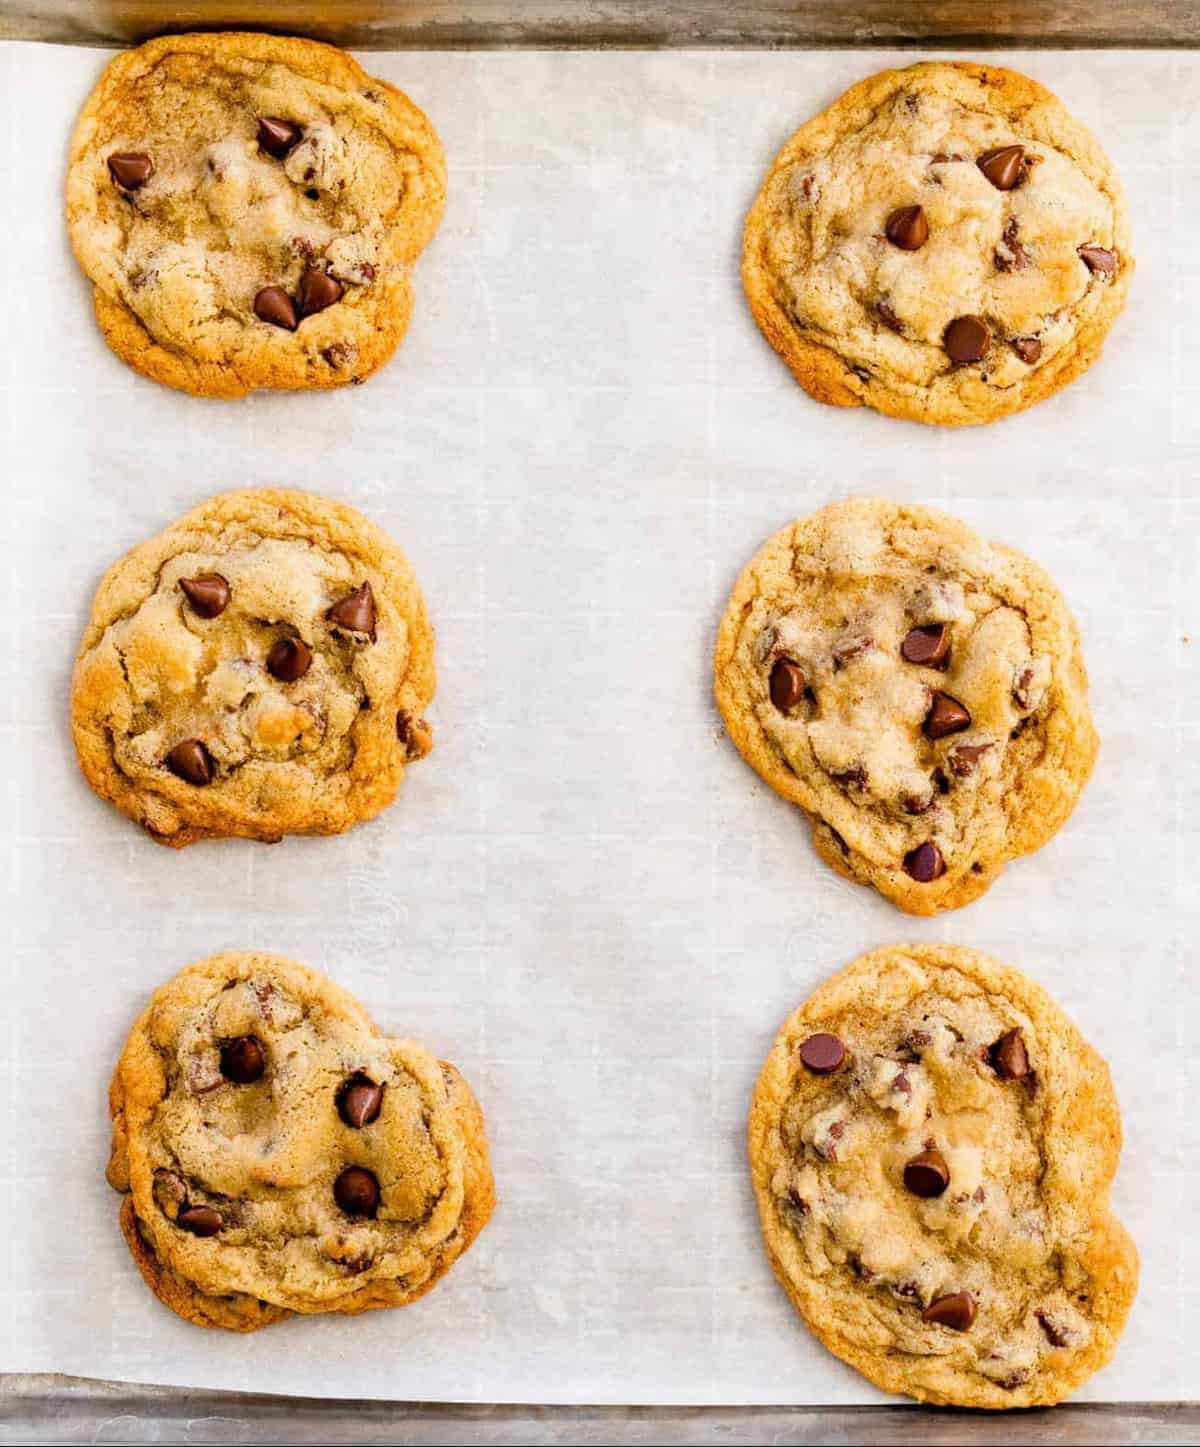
584,898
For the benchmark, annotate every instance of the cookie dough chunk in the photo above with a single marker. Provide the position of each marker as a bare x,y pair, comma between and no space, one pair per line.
932,1144
918,691
248,209
276,1154
945,243
258,669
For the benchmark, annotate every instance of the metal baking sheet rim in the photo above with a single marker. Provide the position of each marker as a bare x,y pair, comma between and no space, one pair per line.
595,24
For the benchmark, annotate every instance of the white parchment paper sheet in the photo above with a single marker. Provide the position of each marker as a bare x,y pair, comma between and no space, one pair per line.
584,898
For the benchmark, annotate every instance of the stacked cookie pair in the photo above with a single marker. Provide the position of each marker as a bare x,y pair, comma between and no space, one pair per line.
931,1141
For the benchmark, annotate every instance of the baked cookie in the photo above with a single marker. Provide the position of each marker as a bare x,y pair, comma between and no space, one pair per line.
917,691
932,1144
945,243
248,209
258,669
278,1155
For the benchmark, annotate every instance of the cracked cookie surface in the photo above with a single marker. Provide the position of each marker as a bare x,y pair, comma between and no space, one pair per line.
932,1144
258,669
249,209
945,243
919,692
277,1155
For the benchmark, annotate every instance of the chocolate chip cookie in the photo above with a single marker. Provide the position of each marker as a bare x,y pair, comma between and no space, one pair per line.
919,692
258,669
946,243
277,1155
248,209
932,1144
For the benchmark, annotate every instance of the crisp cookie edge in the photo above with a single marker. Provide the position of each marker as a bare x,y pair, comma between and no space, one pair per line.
1057,784
1090,1112
820,370
239,1311
378,768
121,328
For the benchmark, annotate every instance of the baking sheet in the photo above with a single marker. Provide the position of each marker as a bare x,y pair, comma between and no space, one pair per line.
584,898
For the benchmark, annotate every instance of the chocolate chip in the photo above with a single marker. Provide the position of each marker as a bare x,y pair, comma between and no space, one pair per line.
964,757
1011,255
276,136
928,645
355,612
940,158
191,761
907,228
317,291
243,1060
1029,349
415,734
1022,688
855,778
289,659
917,803
130,169
1056,1335
946,716
1098,258
797,1202
967,339
1002,166
1015,1378
359,1101
957,1311
357,1192
787,684
200,1220
208,593
924,863
1008,1056
888,317
927,1174
850,649
822,1054
273,305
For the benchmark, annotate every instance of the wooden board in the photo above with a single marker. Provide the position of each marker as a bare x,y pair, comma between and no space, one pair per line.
403,24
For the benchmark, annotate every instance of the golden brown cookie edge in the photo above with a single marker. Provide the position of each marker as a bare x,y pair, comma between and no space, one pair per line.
1090,1113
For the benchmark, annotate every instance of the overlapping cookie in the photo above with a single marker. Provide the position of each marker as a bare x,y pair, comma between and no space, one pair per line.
277,1155
932,1144
919,692
945,243
258,669
248,209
